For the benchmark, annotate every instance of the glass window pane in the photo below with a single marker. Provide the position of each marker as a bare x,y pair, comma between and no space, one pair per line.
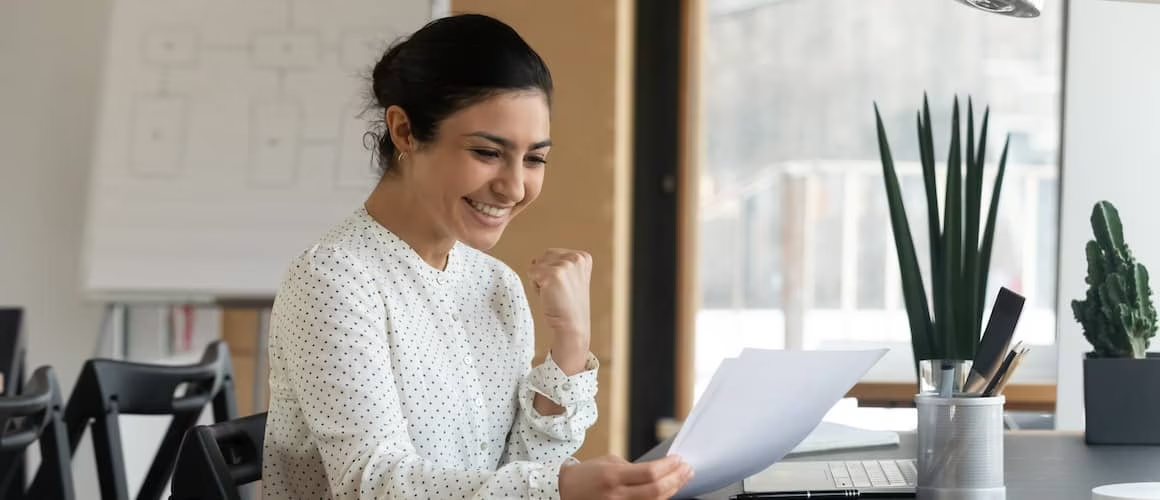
793,200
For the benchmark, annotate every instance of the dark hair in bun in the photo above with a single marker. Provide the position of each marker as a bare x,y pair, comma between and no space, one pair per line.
449,64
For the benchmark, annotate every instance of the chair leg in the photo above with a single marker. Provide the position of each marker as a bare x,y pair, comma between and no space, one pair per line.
225,405
9,469
162,469
54,444
107,443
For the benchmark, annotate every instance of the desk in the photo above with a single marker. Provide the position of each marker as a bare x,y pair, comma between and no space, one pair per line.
1040,464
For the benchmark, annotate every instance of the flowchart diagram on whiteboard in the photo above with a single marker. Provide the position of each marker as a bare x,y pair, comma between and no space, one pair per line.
230,136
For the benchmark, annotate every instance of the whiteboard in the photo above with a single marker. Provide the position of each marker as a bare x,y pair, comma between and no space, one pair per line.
229,139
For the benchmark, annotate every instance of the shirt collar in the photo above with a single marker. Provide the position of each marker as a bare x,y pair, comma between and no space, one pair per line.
401,249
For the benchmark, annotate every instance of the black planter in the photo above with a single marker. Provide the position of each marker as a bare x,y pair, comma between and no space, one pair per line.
1122,400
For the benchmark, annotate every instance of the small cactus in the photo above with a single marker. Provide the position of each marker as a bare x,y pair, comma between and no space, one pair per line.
1117,314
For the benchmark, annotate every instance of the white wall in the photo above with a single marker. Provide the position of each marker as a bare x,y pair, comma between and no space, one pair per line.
50,54
1111,148
50,57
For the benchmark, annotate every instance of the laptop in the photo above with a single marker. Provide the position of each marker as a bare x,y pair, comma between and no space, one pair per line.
857,478
851,478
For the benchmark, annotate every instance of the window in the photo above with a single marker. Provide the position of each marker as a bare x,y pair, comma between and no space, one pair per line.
795,245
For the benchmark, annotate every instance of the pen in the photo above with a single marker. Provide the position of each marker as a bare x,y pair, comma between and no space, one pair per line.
794,495
1010,370
1003,367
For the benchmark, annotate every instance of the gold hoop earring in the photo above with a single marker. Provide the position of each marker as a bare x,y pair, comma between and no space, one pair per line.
402,156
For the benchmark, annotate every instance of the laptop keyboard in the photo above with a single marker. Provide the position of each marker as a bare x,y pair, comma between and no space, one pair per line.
873,473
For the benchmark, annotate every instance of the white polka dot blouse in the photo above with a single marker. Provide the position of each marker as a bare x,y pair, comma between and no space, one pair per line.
390,378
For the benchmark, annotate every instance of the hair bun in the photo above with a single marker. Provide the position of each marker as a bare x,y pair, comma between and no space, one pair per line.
451,63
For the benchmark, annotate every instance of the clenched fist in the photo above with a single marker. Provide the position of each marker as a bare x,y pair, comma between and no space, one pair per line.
561,279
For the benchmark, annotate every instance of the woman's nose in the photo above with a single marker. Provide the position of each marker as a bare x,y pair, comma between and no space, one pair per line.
510,183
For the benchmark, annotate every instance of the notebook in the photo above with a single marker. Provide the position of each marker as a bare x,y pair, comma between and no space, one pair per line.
830,436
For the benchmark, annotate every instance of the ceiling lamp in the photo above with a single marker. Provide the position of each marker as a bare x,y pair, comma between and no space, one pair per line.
1013,8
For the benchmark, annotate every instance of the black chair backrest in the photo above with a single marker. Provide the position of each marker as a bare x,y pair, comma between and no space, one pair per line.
35,416
108,388
12,352
216,460
12,348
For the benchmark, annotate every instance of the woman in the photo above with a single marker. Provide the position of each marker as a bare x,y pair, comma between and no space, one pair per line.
400,352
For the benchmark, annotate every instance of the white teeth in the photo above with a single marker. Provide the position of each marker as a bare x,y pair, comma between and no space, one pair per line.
487,209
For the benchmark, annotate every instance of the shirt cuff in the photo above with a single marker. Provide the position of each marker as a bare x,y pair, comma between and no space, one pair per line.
544,482
551,382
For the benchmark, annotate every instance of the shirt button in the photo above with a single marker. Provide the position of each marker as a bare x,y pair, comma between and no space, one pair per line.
455,316
483,446
467,360
567,386
479,402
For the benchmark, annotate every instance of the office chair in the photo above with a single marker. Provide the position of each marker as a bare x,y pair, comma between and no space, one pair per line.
35,415
216,460
12,354
12,349
109,388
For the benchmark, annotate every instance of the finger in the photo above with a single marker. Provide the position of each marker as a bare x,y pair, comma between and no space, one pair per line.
538,276
649,472
665,487
617,459
551,254
555,254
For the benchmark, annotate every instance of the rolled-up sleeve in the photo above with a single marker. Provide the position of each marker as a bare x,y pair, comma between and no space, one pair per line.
552,438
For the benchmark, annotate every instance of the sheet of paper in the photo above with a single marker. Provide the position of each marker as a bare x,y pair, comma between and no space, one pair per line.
830,436
758,407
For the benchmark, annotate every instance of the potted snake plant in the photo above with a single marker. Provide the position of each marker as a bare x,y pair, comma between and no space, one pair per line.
945,331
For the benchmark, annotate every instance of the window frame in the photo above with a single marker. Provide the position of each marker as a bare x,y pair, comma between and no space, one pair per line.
665,293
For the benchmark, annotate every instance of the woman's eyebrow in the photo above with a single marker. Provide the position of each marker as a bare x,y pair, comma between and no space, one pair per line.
505,142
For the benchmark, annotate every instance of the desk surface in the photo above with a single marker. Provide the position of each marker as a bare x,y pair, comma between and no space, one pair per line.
1039,464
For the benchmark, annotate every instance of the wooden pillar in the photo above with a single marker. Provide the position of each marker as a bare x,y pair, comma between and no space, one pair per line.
240,331
586,200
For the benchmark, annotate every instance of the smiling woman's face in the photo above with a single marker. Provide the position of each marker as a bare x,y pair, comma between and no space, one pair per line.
484,166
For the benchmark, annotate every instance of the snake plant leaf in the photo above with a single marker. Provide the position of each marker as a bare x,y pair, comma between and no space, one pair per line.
913,289
974,200
937,277
992,214
926,156
948,319
980,276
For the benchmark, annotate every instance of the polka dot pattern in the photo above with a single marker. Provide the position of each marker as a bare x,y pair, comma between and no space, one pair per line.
392,379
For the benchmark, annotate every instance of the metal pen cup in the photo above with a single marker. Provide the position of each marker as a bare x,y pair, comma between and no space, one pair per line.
960,447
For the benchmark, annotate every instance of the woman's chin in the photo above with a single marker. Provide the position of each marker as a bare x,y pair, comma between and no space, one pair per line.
481,239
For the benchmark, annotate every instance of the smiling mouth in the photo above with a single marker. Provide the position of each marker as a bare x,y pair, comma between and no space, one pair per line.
488,210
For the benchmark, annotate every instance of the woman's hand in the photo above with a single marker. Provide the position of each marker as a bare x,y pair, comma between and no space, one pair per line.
561,278
612,477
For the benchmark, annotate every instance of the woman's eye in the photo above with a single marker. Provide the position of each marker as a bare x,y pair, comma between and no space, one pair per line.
537,160
486,153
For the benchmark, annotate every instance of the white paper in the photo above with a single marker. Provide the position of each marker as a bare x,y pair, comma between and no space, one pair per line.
758,407
830,436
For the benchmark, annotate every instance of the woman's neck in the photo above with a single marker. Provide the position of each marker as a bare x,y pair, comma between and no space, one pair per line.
395,208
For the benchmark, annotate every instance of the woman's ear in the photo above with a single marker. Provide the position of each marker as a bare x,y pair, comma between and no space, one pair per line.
399,126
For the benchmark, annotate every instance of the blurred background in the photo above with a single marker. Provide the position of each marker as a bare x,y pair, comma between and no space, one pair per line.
161,161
